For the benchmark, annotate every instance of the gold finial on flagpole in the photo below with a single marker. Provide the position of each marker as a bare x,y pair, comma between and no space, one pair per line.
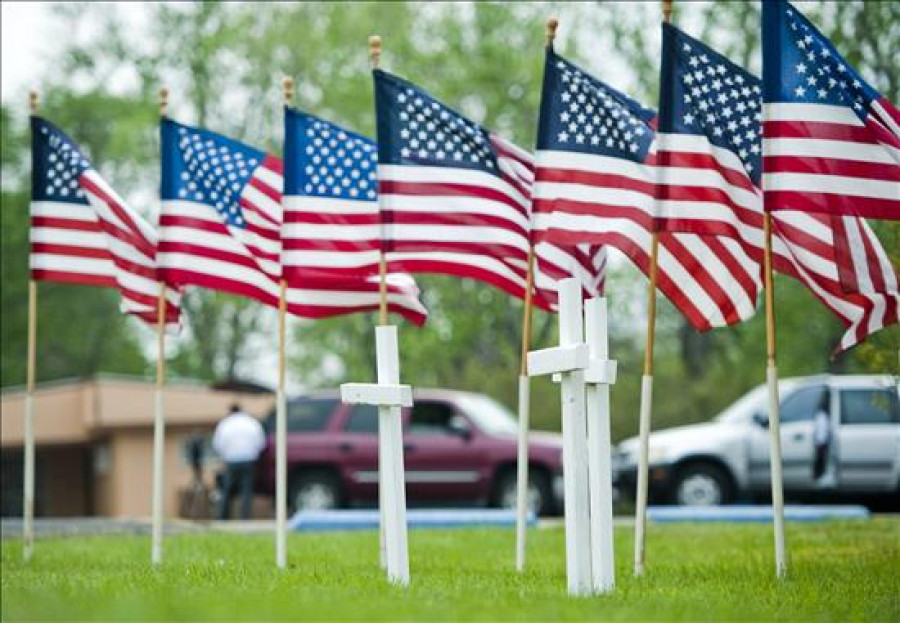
33,101
374,50
667,10
552,25
287,88
163,101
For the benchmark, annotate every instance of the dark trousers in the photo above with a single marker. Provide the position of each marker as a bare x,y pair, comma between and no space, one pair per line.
238,478
821,461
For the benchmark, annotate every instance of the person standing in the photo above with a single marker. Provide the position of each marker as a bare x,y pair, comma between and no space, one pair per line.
822,439
238,440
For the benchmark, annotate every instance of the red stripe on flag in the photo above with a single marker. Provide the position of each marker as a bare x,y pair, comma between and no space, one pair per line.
584,208
79,278
818,130
831,204
445,189
69,251
832,166
52,222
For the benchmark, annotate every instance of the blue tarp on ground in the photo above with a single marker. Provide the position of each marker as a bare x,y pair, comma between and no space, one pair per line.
755,514
320,521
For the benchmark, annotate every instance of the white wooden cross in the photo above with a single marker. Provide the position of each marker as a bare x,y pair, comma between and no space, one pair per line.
599,375
388,395
570,360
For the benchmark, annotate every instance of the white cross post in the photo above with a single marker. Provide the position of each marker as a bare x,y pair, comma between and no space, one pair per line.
569,360
388,395
600,374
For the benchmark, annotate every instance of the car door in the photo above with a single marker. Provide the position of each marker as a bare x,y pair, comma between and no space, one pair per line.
868,439
441,463
797,449
358,452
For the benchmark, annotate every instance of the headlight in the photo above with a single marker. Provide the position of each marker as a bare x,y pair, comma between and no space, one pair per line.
657,454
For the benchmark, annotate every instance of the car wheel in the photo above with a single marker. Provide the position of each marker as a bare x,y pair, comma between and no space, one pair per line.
506,491
314,490
702,484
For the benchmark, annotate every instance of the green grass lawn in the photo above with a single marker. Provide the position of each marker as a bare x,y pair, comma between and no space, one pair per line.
839,571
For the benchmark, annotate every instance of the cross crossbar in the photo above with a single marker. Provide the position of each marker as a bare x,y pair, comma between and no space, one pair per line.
601,372
559,359
380,395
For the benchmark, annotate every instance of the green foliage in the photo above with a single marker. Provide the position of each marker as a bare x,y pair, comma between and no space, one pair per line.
839,571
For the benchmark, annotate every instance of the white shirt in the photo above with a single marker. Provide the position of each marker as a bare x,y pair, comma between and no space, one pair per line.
822,429
239,438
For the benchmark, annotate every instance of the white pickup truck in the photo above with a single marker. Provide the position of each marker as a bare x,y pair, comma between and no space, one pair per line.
728,458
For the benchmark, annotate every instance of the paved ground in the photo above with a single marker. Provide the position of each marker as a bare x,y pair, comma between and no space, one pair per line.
12,528
81,526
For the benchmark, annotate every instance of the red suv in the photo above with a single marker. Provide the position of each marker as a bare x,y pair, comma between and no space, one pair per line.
459,449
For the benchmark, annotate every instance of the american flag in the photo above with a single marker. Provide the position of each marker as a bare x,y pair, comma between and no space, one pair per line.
330,209
709,163
221,229
596,183
456,199
832,142
83,232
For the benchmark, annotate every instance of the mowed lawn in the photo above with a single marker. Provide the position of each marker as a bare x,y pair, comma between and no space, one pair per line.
839,571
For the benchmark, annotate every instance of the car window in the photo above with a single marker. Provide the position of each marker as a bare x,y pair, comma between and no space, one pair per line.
490,416
869,406
363,419
802,404
430,418
307,415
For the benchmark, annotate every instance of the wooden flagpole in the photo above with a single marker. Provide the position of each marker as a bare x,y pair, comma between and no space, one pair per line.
287,85
524,416
525,386
774,415
30,369
374,59
159,424
640,515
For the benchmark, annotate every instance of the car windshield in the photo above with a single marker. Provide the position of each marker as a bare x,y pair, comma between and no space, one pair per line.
489,415
745,406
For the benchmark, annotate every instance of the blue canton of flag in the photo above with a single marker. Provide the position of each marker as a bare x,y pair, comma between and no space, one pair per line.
816,73
704,93
339,164
414,128
56,165
580,113
208,168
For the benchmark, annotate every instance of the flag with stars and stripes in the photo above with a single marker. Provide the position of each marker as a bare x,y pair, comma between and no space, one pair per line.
708,151
709,161
83,232
832,141
455,199
329,181
330,208
595,182
221,228
331,215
